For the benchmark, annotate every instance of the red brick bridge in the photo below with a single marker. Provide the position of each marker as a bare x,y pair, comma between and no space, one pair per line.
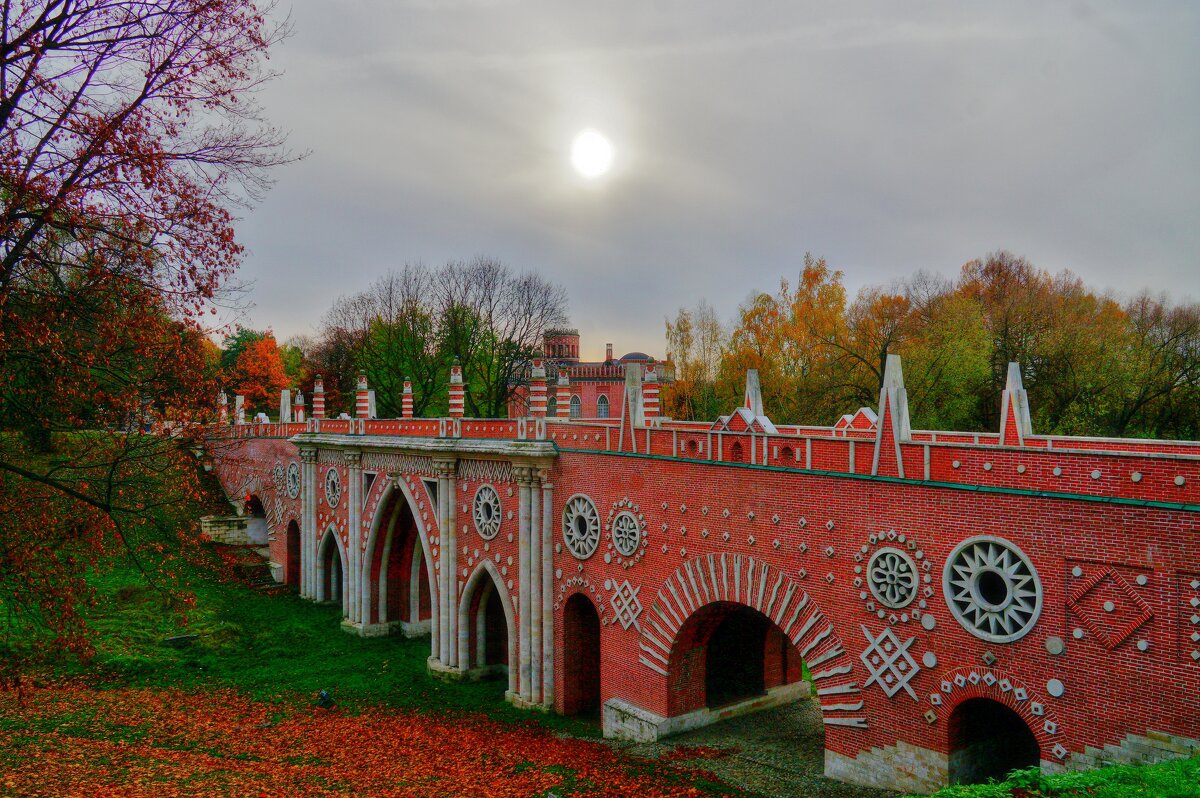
958,603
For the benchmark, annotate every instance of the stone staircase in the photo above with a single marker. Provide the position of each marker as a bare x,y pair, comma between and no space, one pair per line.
250,565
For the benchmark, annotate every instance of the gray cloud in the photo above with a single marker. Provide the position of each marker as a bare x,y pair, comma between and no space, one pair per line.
886,137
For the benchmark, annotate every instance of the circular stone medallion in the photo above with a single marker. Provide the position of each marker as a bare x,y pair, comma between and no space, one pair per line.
992,589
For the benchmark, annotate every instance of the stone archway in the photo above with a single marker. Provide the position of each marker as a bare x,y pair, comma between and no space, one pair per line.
581,656
487,647
332,584
399,586
291,568
988,740
704,591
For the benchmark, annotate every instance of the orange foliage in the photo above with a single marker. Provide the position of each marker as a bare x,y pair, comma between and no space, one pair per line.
168,743
258,373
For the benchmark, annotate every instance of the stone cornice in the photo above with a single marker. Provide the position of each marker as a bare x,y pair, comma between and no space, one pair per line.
445,447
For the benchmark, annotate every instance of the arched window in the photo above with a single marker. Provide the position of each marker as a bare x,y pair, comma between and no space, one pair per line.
576,407
602,407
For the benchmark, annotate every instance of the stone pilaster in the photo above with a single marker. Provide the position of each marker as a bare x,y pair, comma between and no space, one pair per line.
524,478
547,590
354,480
447,583
535,587
308,521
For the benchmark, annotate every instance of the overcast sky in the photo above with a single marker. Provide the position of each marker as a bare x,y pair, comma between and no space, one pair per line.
887,137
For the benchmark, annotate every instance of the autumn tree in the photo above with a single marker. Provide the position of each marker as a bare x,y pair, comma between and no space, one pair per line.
259,375
129,139
696,341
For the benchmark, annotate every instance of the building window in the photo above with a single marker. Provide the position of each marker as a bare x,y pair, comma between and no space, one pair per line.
576,407
602,407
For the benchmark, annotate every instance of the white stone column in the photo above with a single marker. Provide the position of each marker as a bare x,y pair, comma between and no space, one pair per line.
452,561
446,605
308,521
547,591
354,479
524,482
535,589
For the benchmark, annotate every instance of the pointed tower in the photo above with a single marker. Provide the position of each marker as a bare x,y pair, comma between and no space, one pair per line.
222,408
631,408
1015,423
457,400
650,394
318,410
285,406
406,400
752,400
298,410
362,398
893,428
537,389
239,409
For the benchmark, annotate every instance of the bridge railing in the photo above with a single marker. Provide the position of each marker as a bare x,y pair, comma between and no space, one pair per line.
1165,471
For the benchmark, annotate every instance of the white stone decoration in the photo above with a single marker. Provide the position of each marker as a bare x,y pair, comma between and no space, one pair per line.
888,662
277,476
486,512
627,605
333,487
892,577
581,526
992,589
626,534
293,480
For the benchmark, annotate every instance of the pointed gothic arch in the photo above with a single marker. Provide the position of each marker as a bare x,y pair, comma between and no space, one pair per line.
477,629
399,584
332,581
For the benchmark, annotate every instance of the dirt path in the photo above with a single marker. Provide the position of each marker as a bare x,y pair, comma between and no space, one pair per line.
779,752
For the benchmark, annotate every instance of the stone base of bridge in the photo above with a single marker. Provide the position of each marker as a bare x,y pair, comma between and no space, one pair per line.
520,703
904,767
448,673
404,628
624,721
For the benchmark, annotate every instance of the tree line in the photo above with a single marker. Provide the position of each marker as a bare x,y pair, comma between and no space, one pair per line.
1093,365
412,324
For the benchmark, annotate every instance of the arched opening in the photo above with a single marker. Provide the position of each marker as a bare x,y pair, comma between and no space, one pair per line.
256,520
787,457
736,453
398,585
726,653
331,579
602,407
734,658
988,740
486,644
576,407
291,570
581,657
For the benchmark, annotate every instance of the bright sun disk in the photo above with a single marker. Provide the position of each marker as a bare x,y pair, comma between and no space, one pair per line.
591,153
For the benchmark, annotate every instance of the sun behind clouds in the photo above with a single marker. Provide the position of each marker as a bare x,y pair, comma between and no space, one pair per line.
591,153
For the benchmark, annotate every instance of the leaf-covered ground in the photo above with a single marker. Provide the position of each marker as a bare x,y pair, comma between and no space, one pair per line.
154,742
233,712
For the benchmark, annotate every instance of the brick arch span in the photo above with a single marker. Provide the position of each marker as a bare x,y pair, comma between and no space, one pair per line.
469,609
752,583
954,687
388,509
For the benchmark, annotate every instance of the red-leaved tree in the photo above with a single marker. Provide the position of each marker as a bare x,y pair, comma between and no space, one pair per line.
129,139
